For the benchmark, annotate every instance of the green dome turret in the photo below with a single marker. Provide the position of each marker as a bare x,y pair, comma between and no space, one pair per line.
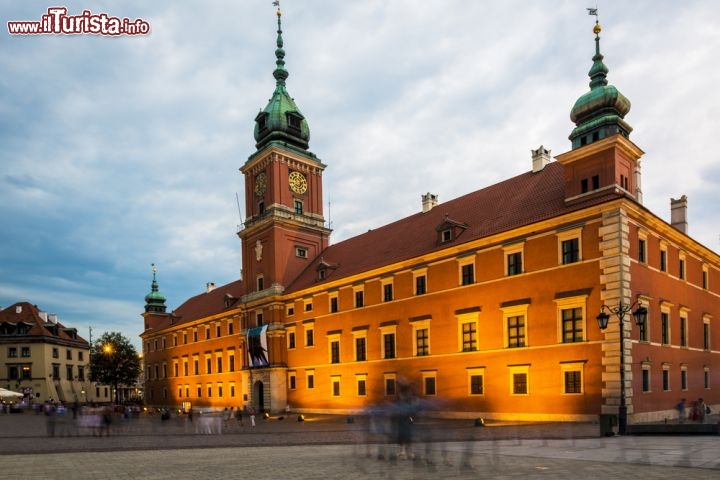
600,112
281,119
155,301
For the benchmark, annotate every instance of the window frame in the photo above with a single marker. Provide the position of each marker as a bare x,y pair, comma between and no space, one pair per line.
522,370
572,367
512,312
567,303
473,372
574,234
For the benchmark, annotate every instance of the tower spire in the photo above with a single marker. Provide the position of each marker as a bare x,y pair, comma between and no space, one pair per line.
600,112
280,73
154,301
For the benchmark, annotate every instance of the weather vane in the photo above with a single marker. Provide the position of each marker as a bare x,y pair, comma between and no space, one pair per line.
591,11
276,3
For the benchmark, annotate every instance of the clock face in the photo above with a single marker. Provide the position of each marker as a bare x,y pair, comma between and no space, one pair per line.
260,183
297,181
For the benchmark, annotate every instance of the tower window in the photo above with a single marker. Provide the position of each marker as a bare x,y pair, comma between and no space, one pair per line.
298,207
261,208
301,252
294,121
595,182
583,185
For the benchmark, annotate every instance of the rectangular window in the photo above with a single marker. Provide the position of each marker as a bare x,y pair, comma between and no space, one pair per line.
360,349
359,298
361,390
335,351
207,333
389,345
705,279
706,377
595,181
196,365
467,273
208,365
185,368
12,352
519,384
643,331
81,373
310,380
516,331
68,372
387,292
422,344
514,263
573,381
230,328
291,381
429,386
683,332
218,364
469,337
420,285
476,384
309,337
195,336
665,328
666,379
663,260
570,251
389,386
176,369
231,362
209,390
336,387
646,380
706,335
55,352
683,379
68,354
291,340
681,269
333,304
572,325
26,372
642,250
308,306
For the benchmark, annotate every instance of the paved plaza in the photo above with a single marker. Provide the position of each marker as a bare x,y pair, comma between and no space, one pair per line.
326,447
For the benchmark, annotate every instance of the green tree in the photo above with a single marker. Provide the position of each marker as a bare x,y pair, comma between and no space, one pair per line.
114,361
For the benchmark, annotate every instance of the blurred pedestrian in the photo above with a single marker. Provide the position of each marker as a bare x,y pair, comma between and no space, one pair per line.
680,407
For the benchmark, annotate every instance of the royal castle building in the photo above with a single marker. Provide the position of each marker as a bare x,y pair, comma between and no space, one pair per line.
553,295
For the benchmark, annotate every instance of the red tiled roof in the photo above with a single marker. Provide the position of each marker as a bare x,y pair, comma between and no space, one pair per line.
203,305
30,314
518,201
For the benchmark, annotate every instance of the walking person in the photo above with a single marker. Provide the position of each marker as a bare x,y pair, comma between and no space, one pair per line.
680,407
238,416
252,416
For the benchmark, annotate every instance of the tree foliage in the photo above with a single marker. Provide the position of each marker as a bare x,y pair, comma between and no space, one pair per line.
114,361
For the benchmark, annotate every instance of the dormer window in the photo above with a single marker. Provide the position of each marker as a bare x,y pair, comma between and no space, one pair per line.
301,252
261,120
449,230
294,120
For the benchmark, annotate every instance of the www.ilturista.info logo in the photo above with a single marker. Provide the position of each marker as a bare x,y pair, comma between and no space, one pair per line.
57,22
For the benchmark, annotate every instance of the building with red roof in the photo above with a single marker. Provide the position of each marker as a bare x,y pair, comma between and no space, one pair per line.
553,295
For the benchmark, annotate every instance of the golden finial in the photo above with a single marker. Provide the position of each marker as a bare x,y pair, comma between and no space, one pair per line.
597,28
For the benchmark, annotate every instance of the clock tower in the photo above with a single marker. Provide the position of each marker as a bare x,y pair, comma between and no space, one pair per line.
284,228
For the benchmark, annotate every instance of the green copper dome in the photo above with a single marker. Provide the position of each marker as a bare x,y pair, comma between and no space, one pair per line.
600,112
155,301
281,120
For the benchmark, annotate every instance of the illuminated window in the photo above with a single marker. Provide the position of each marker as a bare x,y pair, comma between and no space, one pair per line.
467,274
335,382
467,330
292,381
333,303
359,297
519,380
291,338
515,322
361,381
572,377
387,336
569,246
360,345
387,291
310,378
309,333
420,282
571,316
476,380
335,351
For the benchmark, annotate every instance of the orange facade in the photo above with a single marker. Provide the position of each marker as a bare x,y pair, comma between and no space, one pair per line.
484,305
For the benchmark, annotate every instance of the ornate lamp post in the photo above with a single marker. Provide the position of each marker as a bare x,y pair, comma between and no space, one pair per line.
640,314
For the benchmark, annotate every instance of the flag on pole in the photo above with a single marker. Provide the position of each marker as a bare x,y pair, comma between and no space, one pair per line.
592,11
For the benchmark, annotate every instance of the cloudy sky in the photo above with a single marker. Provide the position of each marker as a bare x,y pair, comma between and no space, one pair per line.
120,152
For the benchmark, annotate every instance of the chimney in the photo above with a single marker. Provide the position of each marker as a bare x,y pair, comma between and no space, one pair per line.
678,214
44,316
209,287
429,201
52,317
540,158
18,308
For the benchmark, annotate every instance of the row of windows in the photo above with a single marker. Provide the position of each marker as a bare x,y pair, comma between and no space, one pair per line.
25,352
161,343
571,323
198,391
666,328
571,381
192,367
662,262
666,378
24,372
569,252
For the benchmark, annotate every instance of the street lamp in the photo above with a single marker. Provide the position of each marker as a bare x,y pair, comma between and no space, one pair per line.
640,314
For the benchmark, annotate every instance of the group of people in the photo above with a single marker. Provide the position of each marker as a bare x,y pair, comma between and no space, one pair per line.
697,411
